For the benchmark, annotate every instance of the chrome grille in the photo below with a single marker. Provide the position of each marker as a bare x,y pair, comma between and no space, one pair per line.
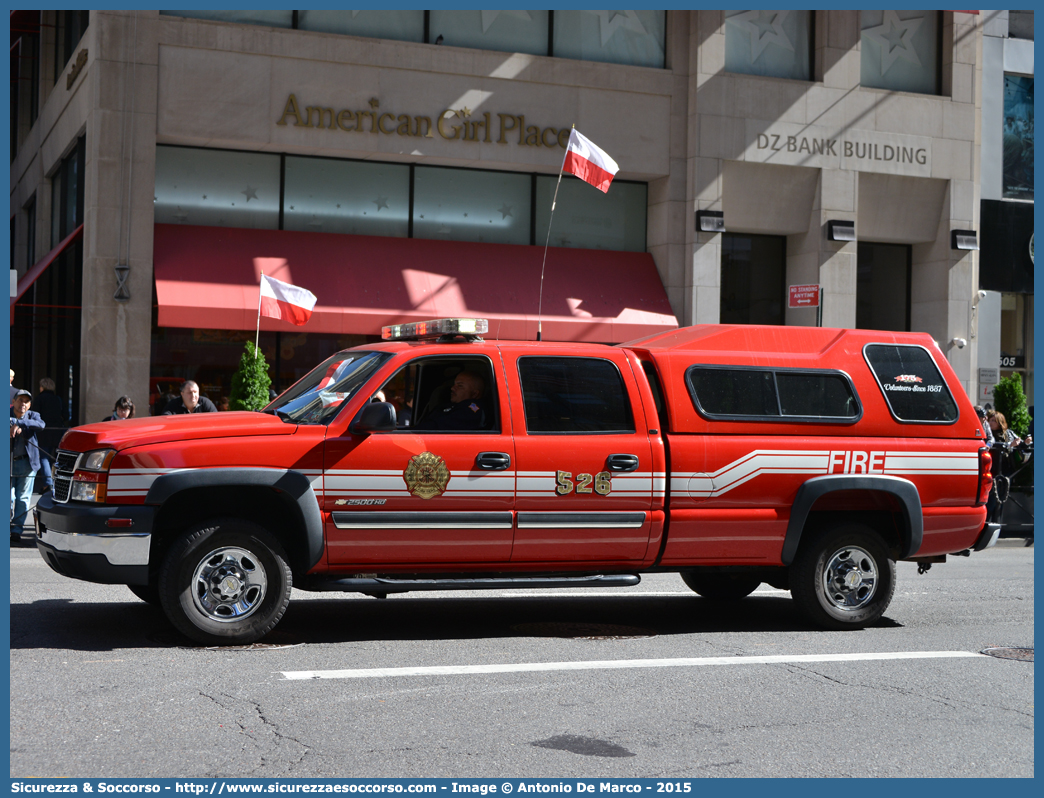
64,466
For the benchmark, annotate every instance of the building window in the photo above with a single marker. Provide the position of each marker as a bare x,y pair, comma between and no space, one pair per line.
585,218
1016,334
471,205
323,195
1018,137
507,31
883,286
753,271
69,29
901,50
217,188
403,26
270,18
617,37
776,44
226,188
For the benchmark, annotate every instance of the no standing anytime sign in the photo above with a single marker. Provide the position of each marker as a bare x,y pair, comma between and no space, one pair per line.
804,296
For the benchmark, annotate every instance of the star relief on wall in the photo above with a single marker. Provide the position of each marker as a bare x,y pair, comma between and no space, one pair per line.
894,37
505,211
764,28
609,22
251,193
489,17
380,202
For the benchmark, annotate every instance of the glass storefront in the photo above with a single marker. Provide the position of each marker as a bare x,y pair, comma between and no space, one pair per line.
753,273
219,188
229,188
1016,339
211,357
356,197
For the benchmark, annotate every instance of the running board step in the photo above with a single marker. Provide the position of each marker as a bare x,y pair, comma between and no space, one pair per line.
379,585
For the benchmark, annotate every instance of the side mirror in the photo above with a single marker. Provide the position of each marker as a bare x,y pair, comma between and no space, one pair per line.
374,417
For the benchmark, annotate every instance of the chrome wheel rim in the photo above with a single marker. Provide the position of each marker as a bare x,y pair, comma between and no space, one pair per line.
229,584
850,579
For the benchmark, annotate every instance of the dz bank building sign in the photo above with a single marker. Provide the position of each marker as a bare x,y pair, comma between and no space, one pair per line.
825,148
459,124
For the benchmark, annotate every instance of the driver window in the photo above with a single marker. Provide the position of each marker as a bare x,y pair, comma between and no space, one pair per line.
443,394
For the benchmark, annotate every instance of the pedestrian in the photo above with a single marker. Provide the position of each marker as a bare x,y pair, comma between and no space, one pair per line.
1000,430
124,408
25,458
13,389
189,402
223,404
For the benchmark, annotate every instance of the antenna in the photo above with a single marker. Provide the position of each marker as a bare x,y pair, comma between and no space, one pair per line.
540,300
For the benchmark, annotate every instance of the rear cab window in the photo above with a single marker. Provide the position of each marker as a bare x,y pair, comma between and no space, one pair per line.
574,395
734,393
913,387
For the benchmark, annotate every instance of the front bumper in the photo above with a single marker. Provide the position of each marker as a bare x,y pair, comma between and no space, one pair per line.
76,541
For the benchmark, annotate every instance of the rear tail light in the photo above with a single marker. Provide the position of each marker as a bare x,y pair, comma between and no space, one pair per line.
985,476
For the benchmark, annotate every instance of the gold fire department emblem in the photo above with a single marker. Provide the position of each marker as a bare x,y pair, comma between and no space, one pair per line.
426,475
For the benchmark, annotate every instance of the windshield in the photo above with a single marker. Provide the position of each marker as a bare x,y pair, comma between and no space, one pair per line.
316,398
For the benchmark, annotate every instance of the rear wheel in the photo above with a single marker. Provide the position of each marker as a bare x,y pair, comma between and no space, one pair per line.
226,582
720,586
844,579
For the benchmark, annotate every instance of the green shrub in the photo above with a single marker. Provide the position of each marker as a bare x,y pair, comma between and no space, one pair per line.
251,382
1009,399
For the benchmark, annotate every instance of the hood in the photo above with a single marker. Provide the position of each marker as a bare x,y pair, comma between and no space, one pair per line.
160,429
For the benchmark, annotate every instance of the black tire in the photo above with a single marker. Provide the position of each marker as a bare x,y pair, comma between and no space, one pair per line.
225,582
844,578
147,593
720,586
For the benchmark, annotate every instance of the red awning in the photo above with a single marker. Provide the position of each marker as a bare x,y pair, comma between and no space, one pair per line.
207,277
41,265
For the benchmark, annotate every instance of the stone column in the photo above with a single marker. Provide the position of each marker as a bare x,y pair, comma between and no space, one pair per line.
668,215
118,216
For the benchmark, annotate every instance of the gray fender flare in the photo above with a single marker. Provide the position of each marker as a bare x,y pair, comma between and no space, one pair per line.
903,490
293,483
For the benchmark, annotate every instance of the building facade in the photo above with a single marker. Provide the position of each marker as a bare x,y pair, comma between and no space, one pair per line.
403,165
1005,305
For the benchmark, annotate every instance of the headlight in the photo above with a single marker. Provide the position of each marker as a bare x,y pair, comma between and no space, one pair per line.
87,492
89,482
98,460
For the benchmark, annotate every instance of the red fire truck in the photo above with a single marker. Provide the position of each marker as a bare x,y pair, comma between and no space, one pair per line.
810,459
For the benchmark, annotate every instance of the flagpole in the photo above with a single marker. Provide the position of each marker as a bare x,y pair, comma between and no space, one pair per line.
257,334
540,300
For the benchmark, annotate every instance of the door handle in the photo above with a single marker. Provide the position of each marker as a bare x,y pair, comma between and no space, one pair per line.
493,461
622,462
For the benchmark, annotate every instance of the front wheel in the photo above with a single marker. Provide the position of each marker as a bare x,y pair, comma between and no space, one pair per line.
720,586
225,582
844,579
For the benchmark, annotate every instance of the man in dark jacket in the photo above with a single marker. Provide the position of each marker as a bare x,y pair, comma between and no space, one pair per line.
464,410
189,402
25,458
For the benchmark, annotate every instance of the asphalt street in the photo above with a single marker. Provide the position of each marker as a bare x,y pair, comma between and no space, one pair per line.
102,686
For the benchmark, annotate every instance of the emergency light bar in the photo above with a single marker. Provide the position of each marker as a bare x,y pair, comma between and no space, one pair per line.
433,329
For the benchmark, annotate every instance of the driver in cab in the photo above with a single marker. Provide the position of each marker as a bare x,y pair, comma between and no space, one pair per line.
464,411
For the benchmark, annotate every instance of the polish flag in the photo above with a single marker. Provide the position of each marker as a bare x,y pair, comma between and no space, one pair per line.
281,300
590,164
